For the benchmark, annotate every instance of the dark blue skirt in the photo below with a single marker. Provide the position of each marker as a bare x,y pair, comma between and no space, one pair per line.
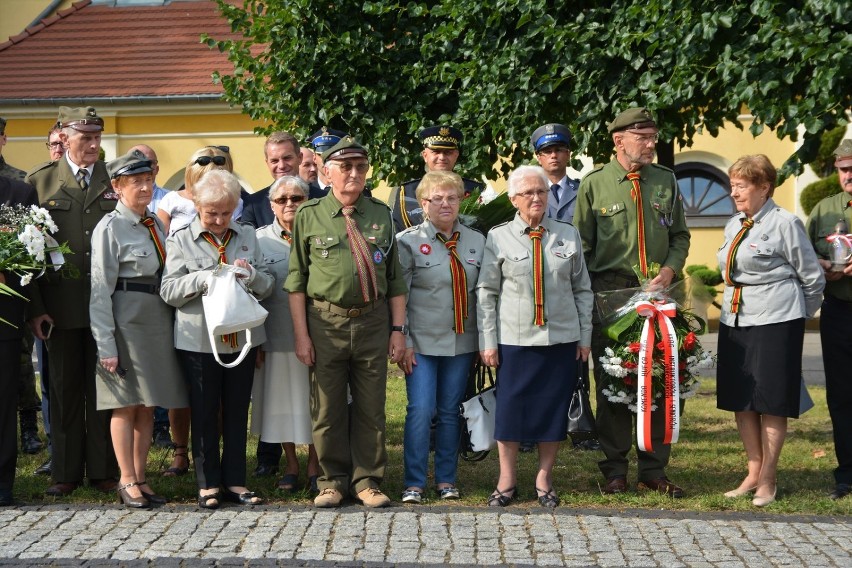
534,388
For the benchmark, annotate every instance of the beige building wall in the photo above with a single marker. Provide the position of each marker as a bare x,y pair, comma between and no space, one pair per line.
16,15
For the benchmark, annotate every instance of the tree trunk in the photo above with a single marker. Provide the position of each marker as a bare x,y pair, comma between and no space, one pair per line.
665,154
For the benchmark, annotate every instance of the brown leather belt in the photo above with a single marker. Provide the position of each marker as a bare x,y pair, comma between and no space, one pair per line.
343,311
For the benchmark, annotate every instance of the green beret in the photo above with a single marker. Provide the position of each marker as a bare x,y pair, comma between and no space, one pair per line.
346,148
843,154
82,119
636,118
134,162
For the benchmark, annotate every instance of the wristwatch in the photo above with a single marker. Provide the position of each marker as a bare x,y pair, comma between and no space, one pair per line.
403,329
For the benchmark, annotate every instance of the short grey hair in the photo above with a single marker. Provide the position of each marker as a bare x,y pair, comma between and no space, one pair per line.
523,172
284,182
216,186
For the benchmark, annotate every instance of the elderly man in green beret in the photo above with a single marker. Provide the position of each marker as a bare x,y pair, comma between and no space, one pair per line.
611,201
77,192
347,299
833,215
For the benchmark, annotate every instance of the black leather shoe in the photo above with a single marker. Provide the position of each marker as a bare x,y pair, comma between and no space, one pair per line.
841,490
590,445
244,498
129,501
45,468
61,489
30,442
662,485
265,470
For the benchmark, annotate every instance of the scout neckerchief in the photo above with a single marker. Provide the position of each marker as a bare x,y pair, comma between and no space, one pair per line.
286,236
636,193
158,244
538,274
223,259
361,254
459,281
729,264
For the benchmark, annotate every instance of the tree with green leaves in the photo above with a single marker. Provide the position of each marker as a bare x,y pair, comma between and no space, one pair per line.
383,69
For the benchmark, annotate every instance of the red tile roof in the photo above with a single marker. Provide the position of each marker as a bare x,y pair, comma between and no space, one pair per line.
103,51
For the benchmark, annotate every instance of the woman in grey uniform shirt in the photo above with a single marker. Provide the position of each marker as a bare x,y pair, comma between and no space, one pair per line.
132,326
535,321
193,252
773,282
438,257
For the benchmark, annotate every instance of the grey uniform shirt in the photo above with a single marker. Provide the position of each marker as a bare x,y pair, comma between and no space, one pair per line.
777,267
121,248
505,289
189,262
425,262
276,256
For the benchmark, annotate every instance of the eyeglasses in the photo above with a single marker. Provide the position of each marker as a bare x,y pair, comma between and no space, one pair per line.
205,160
291,199
50,145
646,138
225,149
347,167
534,193
451,200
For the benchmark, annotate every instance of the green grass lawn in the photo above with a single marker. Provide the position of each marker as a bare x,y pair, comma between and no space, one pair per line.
707,461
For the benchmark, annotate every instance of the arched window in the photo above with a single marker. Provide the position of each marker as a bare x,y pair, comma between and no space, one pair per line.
706,194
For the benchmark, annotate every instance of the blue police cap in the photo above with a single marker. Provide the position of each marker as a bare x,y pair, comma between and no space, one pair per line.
550,134
442,137
325,138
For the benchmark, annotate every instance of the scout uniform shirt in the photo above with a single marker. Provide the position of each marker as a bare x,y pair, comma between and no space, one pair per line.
820,225
606,218
76,213
777,267
425,262
321,262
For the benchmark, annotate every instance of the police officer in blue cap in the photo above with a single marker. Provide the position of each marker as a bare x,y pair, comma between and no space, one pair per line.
552,146
322,140
441,145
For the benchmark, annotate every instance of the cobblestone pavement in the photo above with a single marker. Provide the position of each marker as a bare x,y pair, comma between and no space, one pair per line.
431,536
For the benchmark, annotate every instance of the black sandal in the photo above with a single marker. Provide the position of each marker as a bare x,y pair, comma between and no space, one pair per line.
500,499
204,501
175,471
547,498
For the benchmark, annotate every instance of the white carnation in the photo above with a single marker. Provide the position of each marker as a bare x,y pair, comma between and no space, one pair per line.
25,279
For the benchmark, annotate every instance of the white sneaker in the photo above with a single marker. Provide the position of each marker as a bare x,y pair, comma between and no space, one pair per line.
412,496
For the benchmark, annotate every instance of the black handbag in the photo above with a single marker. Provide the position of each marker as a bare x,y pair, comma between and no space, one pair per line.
480,380
581,419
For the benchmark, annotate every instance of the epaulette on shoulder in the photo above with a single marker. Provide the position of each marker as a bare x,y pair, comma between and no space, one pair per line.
565,221
311,202
407,230
596,170
181,229
412,182
377,201
664,168
500,224
42,166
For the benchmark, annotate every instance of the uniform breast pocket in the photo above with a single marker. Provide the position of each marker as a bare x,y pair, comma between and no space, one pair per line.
273,260
561,257
518,264
612,219
141,258
57,204
326,248
425,261
196,264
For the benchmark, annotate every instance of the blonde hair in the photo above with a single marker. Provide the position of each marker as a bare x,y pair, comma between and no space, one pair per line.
438,179
195,172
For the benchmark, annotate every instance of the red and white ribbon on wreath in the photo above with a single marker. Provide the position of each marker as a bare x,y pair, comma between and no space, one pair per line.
645,390
847,239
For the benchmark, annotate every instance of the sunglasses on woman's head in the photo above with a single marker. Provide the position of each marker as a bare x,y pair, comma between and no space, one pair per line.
225,149
205,160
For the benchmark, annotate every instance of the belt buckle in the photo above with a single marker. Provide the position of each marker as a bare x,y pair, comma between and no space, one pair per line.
353,312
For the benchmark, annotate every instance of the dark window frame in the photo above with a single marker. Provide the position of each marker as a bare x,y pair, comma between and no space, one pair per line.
714,178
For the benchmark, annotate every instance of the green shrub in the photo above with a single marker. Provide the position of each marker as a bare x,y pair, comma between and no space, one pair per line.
817,191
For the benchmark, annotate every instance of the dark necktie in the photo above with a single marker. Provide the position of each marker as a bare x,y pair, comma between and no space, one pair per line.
361,254
636,193
538,275
158,244
83,178
731,260
459,281
554,189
